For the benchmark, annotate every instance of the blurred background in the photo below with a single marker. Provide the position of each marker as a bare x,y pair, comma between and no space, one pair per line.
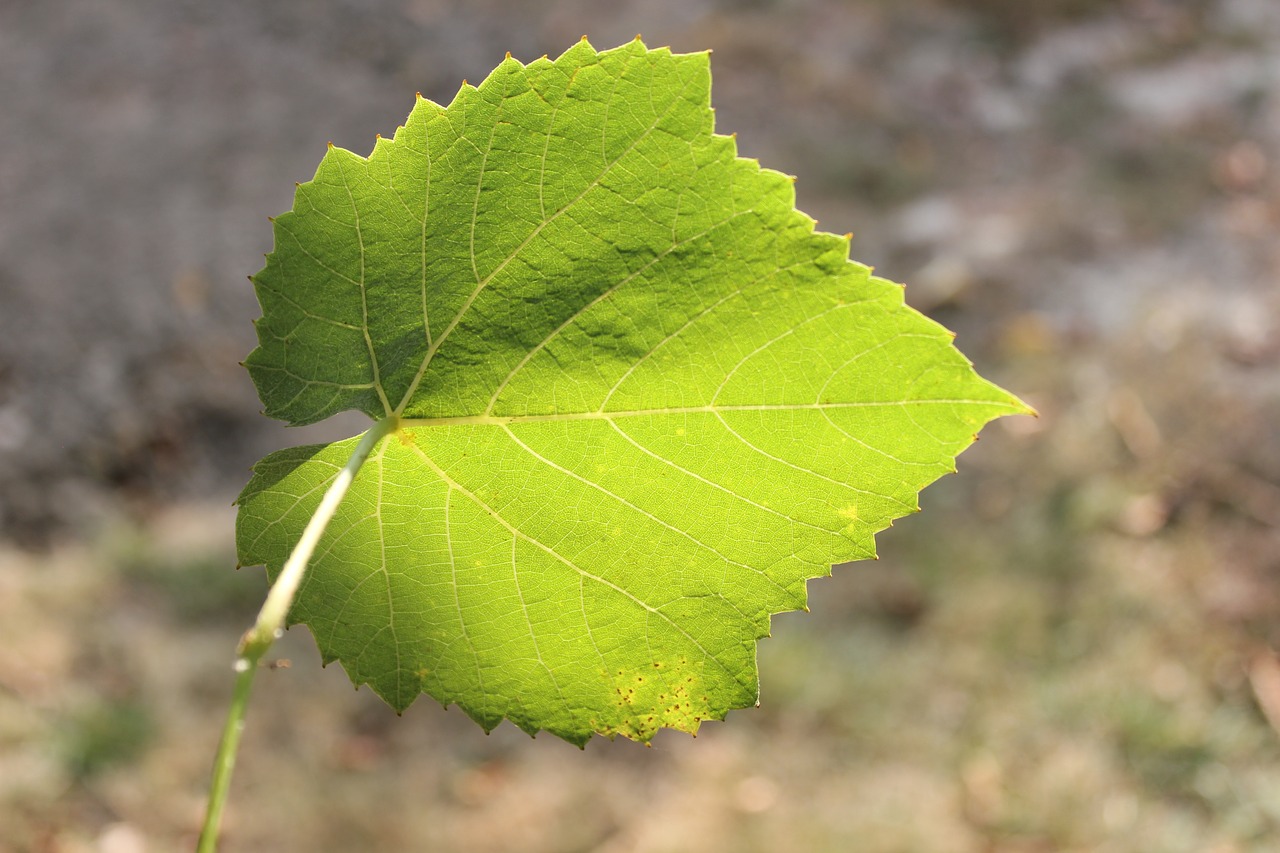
1072,649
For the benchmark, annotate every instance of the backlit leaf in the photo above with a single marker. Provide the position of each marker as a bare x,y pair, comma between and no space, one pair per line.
642,401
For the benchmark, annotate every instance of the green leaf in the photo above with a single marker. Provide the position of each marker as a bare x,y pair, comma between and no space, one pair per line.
642,401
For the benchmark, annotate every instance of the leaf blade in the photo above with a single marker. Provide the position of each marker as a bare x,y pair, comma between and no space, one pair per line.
643,401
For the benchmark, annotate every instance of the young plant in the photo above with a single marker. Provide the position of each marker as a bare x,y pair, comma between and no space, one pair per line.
625,403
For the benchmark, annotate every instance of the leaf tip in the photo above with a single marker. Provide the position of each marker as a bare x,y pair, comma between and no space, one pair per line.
330,144
583,39
508,56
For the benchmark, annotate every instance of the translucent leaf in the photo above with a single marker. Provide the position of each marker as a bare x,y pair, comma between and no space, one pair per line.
642,401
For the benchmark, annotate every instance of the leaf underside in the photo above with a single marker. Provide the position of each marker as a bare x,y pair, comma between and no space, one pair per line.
642,401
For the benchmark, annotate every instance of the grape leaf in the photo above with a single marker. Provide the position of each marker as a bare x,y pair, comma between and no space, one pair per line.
641,401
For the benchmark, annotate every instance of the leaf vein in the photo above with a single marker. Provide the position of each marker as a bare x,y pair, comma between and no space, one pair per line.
560,558
466,306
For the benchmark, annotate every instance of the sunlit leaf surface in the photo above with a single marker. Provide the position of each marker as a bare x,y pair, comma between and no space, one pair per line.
642,401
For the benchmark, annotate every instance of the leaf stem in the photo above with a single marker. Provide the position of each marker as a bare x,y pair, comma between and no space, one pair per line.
270,625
